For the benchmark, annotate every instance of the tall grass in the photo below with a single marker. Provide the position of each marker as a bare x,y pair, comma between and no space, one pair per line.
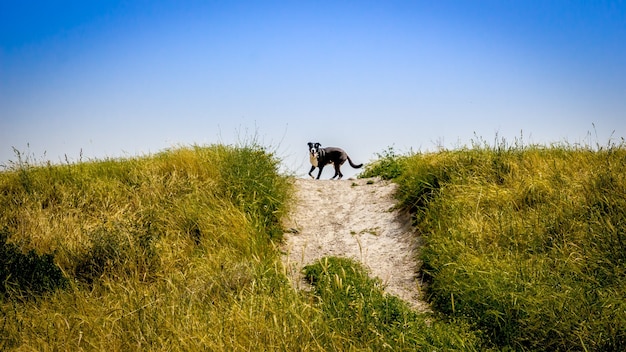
167,251
526,242
176,251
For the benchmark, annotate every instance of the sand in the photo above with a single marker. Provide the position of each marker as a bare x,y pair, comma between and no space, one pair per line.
354,219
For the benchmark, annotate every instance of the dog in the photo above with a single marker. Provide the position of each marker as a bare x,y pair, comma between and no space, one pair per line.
321,157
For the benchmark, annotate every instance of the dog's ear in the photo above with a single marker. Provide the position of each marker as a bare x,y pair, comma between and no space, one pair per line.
310,145
317,145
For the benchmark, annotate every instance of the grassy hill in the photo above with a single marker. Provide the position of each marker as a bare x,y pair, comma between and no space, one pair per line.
169,251
526,243
525,250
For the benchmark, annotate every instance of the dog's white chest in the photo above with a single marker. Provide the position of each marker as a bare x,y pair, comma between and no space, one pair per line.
313,160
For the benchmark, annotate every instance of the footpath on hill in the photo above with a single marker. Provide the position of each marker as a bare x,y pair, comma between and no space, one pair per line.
354,219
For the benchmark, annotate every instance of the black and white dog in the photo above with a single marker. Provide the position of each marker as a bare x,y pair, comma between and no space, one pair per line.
320,157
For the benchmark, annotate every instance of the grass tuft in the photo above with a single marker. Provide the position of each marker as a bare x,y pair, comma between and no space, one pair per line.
355,305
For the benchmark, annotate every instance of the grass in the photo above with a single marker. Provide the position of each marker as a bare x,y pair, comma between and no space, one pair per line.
360,315
169,251
177,251
527,243
525,250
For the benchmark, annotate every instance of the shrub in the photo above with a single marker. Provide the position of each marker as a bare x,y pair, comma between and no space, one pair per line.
26,274
387,166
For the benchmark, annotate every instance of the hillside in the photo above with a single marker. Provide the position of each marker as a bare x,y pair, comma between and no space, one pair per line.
526,242
205,248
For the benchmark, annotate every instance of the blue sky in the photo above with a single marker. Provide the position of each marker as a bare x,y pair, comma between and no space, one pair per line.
125,78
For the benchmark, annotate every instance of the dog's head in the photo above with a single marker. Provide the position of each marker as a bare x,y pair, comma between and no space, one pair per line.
314,149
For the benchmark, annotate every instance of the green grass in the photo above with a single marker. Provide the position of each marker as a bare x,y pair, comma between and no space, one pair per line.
526,243
177,251
170,251
362,316
525,250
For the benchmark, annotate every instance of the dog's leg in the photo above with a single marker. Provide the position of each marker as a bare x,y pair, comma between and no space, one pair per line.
337,171
320,166
311,171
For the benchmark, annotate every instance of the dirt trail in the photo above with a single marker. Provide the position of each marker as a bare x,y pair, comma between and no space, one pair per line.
354,219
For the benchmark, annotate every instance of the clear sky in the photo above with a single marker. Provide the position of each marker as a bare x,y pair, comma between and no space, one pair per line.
125,78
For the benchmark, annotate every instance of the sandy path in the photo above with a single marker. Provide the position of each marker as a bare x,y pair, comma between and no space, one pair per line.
354,219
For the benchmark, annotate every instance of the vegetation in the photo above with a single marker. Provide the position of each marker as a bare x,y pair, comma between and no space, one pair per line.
388,165
178,251
528,243
525,250
354,305
172,251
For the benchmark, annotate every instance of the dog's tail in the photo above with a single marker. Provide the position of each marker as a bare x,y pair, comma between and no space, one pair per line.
354,165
